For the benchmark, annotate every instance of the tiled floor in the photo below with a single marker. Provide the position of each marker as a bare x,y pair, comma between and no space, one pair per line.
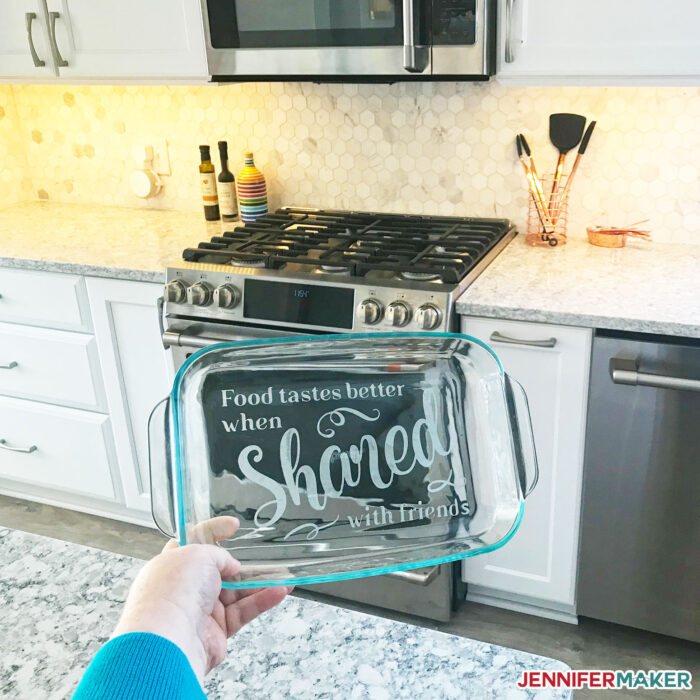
590,645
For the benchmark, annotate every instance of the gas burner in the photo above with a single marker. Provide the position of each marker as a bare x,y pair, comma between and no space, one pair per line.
419,249
419,276
246,263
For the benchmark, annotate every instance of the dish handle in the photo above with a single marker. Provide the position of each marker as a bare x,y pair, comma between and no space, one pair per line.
523,439
161,474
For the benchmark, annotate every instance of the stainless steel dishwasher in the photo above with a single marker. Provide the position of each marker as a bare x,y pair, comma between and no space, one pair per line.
640,537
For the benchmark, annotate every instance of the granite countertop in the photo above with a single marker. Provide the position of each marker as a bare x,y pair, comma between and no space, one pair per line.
62,600
645,287
89,239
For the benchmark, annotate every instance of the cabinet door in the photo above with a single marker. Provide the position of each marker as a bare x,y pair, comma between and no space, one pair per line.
55,447
539,564
641,38
130,39
18,33
135,370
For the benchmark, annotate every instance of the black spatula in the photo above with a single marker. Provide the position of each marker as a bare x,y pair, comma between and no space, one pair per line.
565,132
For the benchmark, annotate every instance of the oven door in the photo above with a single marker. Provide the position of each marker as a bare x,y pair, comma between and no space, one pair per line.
281,39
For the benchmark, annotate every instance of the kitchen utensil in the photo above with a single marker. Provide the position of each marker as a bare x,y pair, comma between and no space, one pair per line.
556,235
611,237
581,150
565,132
336,475
536,190
538,184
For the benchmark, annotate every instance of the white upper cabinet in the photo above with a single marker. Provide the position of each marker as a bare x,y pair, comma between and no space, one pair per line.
155,40
24,41
633,39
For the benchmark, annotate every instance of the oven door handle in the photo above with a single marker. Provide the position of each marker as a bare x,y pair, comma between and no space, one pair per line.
185,340
414,577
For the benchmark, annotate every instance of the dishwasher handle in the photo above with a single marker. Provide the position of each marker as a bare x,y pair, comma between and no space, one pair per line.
626,371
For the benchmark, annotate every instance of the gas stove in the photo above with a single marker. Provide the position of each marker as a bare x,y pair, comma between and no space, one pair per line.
327,271
306,271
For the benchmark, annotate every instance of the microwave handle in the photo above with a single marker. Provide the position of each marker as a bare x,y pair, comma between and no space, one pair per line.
415,55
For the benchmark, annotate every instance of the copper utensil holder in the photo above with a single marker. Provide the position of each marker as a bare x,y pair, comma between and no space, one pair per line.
539,233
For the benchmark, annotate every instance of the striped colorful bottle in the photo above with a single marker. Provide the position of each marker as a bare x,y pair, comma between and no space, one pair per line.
252,191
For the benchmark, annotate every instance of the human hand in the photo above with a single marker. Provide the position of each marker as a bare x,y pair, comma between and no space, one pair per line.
178,595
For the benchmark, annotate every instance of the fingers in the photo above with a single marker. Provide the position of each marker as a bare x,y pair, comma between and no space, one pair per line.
248,608
213,530
227,565
209,531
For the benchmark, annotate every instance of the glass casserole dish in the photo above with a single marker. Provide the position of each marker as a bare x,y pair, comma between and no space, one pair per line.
343,456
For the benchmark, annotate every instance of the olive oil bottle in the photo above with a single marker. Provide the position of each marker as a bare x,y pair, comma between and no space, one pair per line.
207,178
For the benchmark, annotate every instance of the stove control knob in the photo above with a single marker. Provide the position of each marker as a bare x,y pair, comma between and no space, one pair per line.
398,313
428,317
226,296
199,294
175,292
370,311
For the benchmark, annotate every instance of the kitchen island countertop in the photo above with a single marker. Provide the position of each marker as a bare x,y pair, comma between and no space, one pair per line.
644,287
62,600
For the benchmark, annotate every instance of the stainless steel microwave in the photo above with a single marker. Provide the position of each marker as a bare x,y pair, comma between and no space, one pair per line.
363,40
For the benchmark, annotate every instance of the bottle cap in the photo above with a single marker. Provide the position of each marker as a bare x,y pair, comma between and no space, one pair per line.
223,147
204,152
248,154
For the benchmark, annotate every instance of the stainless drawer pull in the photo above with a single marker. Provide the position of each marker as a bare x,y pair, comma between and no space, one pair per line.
29,17
414,577
496,337
12,365
27,450
625,371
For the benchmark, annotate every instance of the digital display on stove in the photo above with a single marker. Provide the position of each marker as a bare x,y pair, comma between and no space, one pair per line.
310,304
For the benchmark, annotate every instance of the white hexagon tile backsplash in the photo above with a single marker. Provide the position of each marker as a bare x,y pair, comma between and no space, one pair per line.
15,182
426,148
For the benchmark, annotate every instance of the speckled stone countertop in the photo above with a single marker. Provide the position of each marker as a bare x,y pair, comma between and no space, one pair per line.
119,242
60,602
644,287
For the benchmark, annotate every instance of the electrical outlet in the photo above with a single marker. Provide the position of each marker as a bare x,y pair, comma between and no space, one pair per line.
161,159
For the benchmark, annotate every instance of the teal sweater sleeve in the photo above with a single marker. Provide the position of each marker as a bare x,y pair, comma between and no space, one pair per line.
139,666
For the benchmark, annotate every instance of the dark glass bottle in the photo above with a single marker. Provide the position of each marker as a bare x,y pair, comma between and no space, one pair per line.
207,178
228,202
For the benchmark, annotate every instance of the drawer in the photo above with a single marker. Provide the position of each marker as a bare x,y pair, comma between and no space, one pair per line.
47,365
44,299
56,447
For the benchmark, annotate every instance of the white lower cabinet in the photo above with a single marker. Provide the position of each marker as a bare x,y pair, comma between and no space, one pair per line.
135,370
536,571
56,447
48,365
